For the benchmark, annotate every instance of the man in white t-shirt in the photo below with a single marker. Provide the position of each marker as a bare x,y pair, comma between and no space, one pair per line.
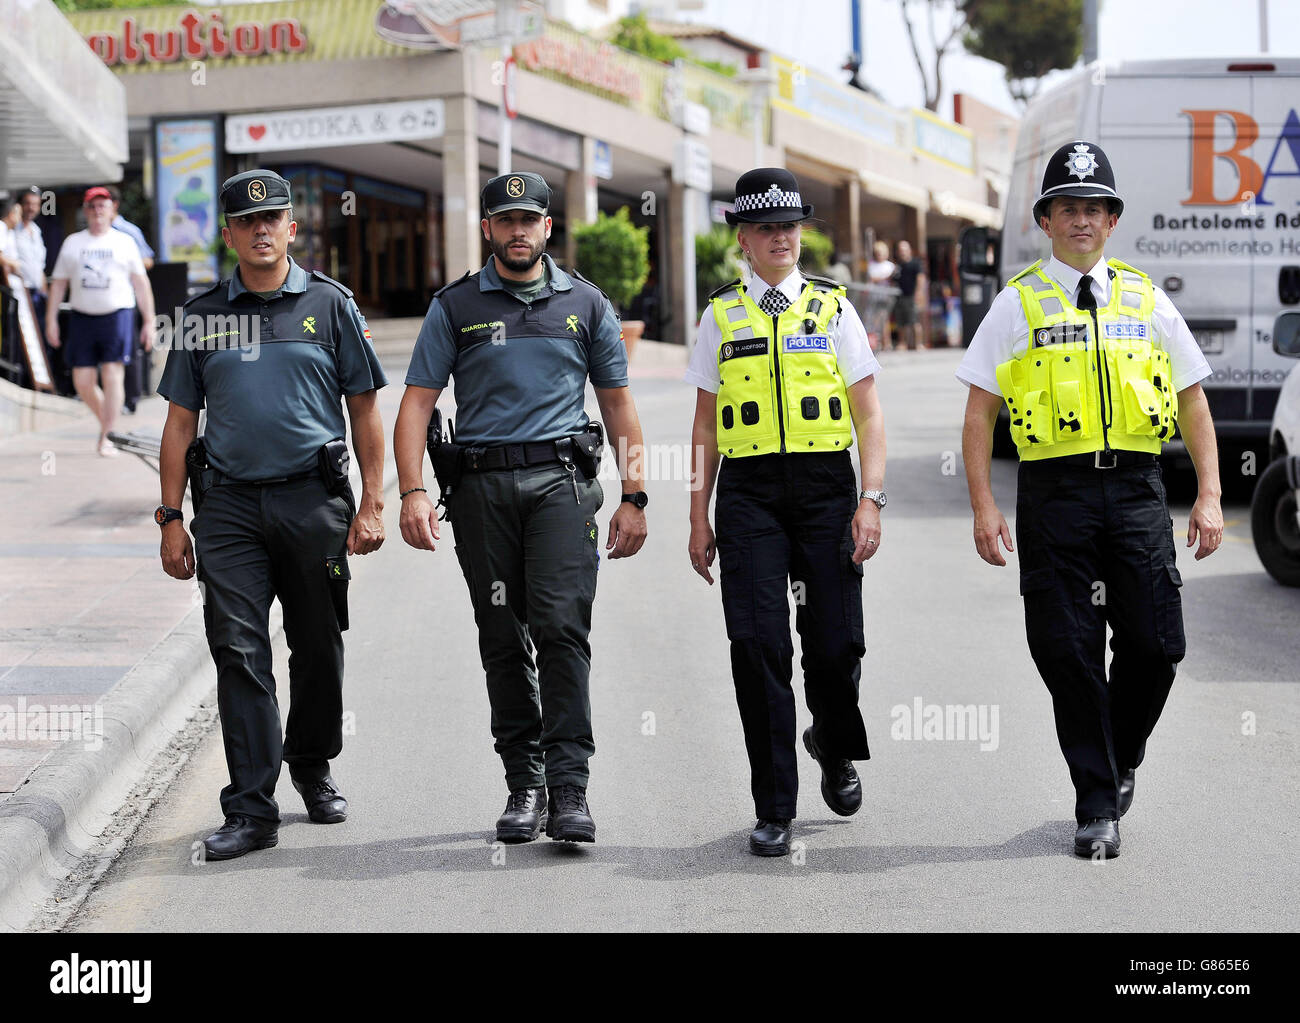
103,274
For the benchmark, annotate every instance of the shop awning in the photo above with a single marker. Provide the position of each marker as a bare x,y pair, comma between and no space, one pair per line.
62,112
880,187
977,213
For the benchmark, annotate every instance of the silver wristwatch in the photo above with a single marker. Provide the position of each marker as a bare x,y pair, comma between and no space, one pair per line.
875,496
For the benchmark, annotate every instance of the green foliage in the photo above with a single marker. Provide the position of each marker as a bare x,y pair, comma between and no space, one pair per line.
817,250
71,6
717,261
634,33
614,254
1028,40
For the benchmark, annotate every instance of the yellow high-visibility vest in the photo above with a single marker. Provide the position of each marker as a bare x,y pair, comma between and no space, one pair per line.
781,389
1086,385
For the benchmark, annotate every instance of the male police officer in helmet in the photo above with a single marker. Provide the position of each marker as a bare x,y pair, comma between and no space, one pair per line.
522,337
1095,366
278,517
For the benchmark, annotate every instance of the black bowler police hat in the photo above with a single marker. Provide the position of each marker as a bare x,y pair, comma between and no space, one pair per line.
522,191
1079,169
252,191
768,195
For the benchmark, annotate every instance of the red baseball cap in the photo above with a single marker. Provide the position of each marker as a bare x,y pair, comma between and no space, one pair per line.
98,192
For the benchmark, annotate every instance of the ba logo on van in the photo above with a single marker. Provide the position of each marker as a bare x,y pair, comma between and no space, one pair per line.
1225,136
807,343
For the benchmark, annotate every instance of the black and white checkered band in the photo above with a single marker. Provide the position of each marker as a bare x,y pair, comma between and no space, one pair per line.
773,198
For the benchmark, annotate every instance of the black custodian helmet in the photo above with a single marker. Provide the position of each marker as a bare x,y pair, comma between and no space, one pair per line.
1078,169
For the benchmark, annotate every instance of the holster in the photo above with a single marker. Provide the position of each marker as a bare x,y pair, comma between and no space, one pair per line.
588,447
199,472
335,464
445,455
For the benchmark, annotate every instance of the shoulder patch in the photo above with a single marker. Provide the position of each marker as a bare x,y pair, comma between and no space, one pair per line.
726,287
1027,270
330,280
466,276
206,292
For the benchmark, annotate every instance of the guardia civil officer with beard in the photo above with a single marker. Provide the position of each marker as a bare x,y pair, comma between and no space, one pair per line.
522,337
1095,366
783,367
276,516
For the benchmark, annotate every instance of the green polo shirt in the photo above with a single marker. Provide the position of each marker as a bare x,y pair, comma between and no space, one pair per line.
271,370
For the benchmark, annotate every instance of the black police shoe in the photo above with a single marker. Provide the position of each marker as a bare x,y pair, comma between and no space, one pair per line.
1097,837
568,819
770,838
523,816
325,805
1126,790
240,835
841,786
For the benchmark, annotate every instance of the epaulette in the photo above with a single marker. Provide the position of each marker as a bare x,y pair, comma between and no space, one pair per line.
577,276
726,287
818,279
330,280
1027,270
467,275
1119,264
209,291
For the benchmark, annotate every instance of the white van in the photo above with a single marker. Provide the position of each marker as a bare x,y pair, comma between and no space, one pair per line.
1206,155
1275,506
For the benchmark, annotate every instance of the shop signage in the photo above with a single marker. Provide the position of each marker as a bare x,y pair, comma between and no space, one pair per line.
803,91
195,36
942,140
573,57
335,126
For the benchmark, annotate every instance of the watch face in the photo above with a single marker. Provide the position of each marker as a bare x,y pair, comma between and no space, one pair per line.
160,515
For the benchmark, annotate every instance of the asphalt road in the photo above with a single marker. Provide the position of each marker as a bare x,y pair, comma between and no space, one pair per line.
950,836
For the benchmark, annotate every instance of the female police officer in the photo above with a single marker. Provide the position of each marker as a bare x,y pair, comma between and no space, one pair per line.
782,363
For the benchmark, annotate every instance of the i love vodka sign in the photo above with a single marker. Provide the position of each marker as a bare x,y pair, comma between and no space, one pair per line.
279,130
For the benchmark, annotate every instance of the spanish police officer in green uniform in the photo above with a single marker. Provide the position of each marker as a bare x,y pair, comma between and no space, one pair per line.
522,337
783,368
1095,367
272,354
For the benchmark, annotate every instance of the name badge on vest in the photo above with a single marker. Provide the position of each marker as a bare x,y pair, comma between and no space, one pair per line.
1061,334
740,349
1128,331
807,343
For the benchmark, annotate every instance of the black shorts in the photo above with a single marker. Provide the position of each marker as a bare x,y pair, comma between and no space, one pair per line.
94,340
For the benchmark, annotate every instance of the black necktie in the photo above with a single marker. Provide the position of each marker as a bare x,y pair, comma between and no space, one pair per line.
774,302
1087,300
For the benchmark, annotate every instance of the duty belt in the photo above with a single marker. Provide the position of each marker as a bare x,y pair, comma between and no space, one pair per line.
1099,460
221,479
510,456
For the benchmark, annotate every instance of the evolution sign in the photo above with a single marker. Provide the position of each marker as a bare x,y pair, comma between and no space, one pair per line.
335,126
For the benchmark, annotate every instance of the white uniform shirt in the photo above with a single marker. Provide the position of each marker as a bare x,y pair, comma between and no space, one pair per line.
31,254
1004,332
98,269
853,352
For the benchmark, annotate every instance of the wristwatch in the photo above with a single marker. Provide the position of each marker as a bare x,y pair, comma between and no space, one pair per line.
163,515
640,498
876,496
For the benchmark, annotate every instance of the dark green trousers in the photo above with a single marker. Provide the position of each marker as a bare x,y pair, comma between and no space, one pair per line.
529,552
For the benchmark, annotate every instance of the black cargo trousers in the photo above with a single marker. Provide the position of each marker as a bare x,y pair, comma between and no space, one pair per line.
256,542
1097,549
784,523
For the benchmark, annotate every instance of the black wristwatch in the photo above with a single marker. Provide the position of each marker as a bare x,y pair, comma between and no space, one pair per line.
640,498
163,515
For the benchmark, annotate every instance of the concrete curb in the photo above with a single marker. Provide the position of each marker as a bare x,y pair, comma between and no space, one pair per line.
56,818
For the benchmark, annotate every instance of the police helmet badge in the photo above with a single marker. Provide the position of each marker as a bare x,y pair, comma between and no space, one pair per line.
257,190
1081,163
515,187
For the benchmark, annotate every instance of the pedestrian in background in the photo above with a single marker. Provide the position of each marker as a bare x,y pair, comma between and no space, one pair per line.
101,271
32,254
136,370
1095,366
782,367
910,279
276,516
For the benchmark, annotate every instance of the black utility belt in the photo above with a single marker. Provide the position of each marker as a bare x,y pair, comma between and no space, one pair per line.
1099,460
583,449
220,479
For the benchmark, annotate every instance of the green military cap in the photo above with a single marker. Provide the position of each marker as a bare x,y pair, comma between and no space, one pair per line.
522,191
252,191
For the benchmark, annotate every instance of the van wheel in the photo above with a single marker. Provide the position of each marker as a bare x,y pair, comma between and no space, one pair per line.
1273,521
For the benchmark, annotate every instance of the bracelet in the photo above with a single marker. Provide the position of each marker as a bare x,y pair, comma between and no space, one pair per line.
414,490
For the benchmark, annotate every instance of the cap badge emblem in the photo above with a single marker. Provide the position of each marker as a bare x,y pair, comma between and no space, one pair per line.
257,190
515,187
1082,162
